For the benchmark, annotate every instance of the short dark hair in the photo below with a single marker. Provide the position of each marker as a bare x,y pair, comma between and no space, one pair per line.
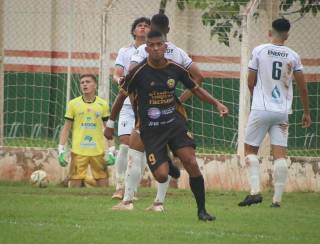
281,25
138,21
155,33
160,21
90,76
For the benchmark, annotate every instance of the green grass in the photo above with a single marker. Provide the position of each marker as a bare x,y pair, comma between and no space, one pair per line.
62,215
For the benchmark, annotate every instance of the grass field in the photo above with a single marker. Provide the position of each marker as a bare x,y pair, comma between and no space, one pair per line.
62,215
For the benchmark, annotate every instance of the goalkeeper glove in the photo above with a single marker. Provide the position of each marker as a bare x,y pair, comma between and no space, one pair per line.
110,156
61,156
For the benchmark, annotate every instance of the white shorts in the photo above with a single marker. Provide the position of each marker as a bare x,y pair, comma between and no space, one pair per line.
262,122
126,120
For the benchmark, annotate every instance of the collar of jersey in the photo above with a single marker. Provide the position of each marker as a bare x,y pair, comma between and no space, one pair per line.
158,67
89,102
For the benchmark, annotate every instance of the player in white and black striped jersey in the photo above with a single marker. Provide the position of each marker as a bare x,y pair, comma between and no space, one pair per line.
271,69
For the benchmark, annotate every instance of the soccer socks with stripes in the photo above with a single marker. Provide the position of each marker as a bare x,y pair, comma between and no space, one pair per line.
162,191
121,165
280,177
197,187
133,174
254,173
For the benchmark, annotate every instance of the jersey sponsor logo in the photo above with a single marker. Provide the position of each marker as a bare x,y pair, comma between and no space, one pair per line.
124,123
277,54
276,94
168,111
169,51
154,113
88,142
88,125
171,83
156,123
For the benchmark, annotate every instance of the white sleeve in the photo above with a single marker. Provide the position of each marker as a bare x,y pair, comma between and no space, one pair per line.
186,60
297,66
120,58
253,62
139,55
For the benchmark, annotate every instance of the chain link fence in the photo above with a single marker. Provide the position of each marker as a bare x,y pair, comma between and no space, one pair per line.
48,44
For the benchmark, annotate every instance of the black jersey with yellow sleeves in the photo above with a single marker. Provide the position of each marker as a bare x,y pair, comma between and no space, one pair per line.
153,91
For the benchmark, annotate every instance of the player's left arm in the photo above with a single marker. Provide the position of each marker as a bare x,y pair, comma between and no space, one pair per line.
303,91
202,93
197,77
206,97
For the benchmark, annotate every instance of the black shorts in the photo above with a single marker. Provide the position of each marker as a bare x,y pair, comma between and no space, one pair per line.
156,140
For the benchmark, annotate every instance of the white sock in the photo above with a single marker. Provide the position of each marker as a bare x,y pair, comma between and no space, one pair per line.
133,174
121,165
254,173
280,171
162,191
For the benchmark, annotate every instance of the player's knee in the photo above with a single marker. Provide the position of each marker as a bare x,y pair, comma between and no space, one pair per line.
280,167
252,160
161,178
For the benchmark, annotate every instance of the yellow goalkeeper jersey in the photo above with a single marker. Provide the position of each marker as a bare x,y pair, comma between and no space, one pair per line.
87,127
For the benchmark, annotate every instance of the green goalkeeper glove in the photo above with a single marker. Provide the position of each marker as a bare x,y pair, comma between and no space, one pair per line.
61,156
110,157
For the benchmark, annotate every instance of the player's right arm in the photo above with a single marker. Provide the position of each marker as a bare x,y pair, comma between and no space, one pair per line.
118,72
252,80
116,107
64,135
303,91
253,68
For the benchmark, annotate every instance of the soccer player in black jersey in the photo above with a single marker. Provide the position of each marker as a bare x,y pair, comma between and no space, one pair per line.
161,120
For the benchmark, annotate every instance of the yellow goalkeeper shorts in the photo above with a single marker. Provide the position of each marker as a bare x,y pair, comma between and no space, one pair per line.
79,166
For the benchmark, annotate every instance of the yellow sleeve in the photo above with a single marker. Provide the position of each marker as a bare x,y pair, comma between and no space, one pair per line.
69,112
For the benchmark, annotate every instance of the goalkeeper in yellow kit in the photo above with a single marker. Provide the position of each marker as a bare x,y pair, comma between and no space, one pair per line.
85,115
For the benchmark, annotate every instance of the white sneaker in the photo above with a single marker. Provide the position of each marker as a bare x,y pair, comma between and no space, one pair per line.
123,206
118,194
156,208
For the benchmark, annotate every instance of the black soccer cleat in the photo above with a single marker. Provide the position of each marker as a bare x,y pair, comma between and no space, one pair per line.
275,205
173,170
251,199
204,216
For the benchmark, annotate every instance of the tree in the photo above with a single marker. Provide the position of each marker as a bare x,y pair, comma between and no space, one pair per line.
224,19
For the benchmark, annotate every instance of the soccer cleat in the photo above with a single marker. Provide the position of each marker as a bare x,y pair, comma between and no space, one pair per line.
275,205
156,207
204,216
173,170
123,206
251,199
118,194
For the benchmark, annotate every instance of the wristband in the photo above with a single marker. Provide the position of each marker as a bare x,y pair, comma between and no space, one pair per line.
60,148
110,123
